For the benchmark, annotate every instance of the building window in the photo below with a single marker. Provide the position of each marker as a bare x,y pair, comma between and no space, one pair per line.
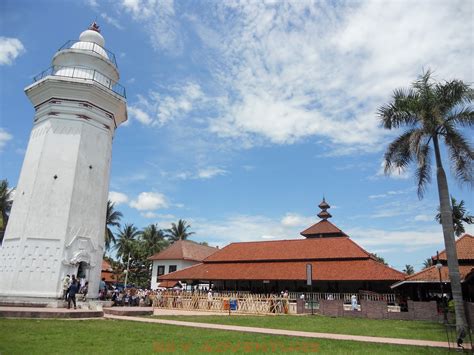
161,270
172,268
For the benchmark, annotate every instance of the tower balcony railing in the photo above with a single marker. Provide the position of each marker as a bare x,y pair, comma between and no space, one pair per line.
82,73
89,47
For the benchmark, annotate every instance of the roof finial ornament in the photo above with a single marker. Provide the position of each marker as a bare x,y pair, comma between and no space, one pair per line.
94,27
324,206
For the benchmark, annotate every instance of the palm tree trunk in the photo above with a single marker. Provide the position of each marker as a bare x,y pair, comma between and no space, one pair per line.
449,241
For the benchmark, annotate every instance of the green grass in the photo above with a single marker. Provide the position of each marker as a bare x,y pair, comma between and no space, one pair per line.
22,336
369,327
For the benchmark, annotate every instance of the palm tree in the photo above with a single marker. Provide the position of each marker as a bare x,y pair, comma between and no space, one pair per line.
409,270
430,112
460,216
5,206
126,240
427,263
112,219
153,239
379,259
178,231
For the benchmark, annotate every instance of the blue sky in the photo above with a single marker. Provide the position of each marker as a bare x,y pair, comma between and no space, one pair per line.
242,115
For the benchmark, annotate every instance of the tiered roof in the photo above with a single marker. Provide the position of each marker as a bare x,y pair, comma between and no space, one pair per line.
332,253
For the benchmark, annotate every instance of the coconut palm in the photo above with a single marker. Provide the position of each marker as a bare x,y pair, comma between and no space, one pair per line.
178,231
126,239
431,113
153,239
460,216
112,219
409,270
427,263
5,206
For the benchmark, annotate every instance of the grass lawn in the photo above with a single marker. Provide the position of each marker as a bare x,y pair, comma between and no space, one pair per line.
22,336
322,324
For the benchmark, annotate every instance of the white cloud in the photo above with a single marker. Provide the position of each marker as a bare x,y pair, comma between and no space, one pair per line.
159,20
162,217
158,109
139,115
286,71
10,49
93,3
403,240
148,201
210,172
111,21
296,220
204,173
390,193
4,138
118,197
424,218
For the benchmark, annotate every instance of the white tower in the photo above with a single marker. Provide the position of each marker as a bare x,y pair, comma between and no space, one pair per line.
57,223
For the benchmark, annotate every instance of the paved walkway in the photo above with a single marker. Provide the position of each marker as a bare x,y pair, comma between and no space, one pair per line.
368,339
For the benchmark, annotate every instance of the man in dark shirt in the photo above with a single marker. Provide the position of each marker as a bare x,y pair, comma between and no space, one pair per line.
73,289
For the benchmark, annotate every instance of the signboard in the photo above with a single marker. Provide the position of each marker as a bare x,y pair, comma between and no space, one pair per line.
309,274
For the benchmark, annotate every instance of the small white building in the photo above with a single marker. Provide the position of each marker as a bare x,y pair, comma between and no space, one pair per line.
177,256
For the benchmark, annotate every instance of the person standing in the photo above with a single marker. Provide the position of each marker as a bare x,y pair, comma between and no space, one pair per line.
354,302
102,289
66,284
73,289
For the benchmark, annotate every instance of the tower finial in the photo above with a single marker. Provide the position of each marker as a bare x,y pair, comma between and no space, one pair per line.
94,27
324,206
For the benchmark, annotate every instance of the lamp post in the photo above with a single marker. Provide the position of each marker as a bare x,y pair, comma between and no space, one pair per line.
439,266
126,273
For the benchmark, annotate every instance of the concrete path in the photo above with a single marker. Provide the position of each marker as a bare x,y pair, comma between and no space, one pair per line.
294,333
180,312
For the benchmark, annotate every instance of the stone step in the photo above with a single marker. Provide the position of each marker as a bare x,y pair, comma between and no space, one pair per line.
43,312
129,311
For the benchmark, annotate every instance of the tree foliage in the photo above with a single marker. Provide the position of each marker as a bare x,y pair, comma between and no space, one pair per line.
432,113
112,219
409,270
427,263
379,259
5,206
178,231
460,216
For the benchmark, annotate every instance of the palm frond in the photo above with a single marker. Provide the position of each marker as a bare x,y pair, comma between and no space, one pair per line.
464,116
402,111
461,154
399,153
453,93
423,172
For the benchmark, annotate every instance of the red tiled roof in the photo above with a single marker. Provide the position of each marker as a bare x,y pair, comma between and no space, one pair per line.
464,248
296,249
184,250
345,270
106,265
431,274
108,276
323,228
168,284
